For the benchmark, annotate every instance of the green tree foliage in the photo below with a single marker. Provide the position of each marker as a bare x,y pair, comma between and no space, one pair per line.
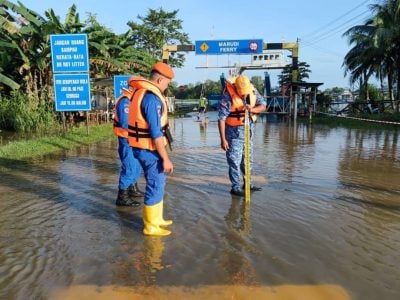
323,100
376,48
194,91
374,93
156,29
21,44
112,54
335,91
258,83
286,75
25,63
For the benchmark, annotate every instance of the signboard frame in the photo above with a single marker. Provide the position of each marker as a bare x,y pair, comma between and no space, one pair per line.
219,47
69,53
72,92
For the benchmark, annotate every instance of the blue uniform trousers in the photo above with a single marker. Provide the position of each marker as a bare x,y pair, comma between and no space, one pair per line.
130,167
235,154
151,163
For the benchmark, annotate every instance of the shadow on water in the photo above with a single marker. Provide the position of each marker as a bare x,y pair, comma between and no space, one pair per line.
54,192
52,200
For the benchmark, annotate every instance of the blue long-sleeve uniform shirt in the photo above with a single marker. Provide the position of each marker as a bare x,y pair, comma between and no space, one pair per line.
152,111
122,110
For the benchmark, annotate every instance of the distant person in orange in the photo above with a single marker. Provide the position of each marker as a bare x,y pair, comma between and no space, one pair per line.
148,136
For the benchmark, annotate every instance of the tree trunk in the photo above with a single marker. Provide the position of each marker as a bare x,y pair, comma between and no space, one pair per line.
390,87
35,85
366,87
360,87
398,86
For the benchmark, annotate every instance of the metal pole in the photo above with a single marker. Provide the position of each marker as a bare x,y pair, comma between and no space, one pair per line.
64,121
315,99
87,123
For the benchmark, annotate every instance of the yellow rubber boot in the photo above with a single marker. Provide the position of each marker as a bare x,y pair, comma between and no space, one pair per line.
151,215
161,220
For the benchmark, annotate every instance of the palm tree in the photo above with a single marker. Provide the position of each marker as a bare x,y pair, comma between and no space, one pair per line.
376,47
360,60
388,36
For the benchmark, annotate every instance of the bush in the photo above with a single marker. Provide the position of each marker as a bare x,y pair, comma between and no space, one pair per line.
22,113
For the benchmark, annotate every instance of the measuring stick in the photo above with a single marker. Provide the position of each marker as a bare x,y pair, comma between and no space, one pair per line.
247,156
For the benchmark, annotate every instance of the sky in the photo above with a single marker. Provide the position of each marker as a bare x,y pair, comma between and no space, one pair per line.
318,25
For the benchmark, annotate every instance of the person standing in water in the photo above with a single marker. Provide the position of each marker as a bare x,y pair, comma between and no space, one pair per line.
237,97
148,135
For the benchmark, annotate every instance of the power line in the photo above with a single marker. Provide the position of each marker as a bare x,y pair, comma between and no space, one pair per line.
336,29
325,51
322,49
335,20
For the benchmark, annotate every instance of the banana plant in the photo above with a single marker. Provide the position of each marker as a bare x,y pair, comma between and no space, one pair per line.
20,31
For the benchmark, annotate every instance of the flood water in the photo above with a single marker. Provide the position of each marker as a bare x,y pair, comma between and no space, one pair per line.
325,226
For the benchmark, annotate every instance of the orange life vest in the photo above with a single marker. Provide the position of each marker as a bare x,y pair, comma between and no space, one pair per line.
118,130
236,115
138,128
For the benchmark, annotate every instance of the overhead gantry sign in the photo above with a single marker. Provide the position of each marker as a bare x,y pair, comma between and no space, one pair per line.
220,47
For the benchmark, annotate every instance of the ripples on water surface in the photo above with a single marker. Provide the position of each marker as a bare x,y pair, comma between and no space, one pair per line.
325,226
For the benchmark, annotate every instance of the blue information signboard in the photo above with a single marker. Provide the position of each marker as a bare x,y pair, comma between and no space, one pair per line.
229,46
120,82
69,53
72,92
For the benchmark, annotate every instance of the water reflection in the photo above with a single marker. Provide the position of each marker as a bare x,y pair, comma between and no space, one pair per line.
235,259
368,168
238,216
203,129
326,224
153,248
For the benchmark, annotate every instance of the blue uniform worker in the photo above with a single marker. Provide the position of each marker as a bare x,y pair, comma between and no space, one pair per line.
130,167
231,127
148,135
151,161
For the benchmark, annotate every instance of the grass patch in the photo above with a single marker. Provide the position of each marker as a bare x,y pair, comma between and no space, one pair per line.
76,137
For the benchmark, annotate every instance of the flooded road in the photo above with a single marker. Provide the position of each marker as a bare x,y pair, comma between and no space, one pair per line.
325,226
